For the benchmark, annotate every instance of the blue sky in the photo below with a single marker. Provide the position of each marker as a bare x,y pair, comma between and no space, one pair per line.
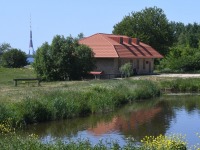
65,17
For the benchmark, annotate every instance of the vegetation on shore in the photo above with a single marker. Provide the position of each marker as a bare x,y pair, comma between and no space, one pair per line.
182,85
174,84
76,100
60,100
28,104
10,140
33,143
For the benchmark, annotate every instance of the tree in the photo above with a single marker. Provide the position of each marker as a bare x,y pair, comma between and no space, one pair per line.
186,35
80,36
178,30
14,58
150,26
42,62
64,59
184,59
4,47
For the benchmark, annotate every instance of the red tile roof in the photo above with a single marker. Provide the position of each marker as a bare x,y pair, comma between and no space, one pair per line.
118,46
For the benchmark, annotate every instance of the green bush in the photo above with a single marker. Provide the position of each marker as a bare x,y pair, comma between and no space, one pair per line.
126,69
14,58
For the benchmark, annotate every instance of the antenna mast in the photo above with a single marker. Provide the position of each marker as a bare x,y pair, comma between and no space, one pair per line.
31,42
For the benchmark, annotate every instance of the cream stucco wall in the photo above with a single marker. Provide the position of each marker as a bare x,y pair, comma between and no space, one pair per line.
142,66
112,65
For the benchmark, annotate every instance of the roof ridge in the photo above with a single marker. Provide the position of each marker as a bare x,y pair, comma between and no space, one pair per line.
89,36
109,43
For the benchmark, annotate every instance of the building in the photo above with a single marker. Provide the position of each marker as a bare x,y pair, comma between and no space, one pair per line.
112,51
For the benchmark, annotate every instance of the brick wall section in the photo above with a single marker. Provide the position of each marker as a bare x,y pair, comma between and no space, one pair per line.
107,65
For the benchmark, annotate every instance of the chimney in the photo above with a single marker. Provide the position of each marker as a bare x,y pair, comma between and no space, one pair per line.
121,40
130,41
136,41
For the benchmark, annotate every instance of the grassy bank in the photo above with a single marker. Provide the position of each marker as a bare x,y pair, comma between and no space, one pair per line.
174,84
28,104
74,100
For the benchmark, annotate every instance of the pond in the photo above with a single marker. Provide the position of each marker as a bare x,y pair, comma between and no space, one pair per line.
164,115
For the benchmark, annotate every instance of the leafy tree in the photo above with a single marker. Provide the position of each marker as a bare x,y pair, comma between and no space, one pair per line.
4,47
64,59
184,59
150,26
186,35
80,36
14,58
178,30
42,62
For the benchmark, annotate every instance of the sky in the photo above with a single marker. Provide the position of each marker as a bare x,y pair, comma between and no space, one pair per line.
71,17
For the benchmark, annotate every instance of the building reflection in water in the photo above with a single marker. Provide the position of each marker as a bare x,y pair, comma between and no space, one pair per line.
128,125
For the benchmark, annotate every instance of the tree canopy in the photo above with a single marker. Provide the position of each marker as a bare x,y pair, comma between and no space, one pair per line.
14,58
150,26
184,55
4,47
63,59
179,43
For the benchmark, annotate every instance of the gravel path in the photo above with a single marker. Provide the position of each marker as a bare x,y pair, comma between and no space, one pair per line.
180,75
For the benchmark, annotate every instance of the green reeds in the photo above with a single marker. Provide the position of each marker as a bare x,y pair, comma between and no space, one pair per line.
182,85
98,97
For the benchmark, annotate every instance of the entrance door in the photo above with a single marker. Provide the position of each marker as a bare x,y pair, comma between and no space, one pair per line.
150,70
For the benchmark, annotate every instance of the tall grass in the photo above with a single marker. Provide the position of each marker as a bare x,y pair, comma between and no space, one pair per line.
69,102
182,85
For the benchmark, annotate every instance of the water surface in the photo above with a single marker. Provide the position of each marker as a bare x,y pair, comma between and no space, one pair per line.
165,115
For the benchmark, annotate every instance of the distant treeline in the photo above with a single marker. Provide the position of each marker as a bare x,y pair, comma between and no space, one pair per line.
177,42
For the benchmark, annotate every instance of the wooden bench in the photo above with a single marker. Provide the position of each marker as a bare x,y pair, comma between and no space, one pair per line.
27,79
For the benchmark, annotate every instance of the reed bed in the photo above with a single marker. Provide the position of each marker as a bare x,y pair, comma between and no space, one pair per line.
75,100
181,85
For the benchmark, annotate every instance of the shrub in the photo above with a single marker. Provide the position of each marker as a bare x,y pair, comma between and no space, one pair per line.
172,142
14,58
126,69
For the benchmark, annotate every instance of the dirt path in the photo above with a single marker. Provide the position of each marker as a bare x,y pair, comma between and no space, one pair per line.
163,76
179,75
